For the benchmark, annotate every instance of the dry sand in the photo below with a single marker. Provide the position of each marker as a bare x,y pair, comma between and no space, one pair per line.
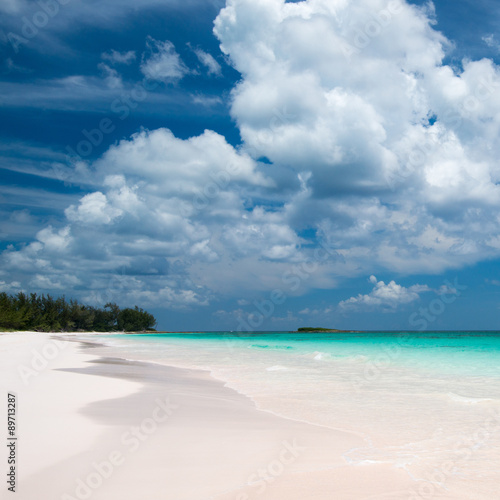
111,429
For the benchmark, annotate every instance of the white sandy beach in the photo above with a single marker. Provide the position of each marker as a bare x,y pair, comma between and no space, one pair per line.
108,428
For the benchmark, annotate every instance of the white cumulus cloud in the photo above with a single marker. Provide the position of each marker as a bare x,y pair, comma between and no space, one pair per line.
401,149
385,296
94,208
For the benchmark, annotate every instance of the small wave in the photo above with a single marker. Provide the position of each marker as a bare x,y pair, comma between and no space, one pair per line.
318,355
267,346
369,462
465,400
276,368
359,358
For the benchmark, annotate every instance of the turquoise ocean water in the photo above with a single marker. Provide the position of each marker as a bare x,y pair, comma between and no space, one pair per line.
420,399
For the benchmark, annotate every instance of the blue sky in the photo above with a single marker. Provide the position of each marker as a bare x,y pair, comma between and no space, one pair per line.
255,163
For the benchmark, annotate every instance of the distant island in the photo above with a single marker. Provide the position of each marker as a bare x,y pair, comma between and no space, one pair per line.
309,329
44,313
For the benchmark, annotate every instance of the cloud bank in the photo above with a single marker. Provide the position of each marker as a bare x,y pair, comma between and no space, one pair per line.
356,137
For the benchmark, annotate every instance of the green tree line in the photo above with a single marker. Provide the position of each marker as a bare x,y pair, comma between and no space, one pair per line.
49,314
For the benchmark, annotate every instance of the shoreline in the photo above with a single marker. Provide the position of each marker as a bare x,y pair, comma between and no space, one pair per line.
187,332
137,429
211,373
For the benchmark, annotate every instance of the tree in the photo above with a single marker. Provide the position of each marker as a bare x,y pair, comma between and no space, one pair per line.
45,313
135,320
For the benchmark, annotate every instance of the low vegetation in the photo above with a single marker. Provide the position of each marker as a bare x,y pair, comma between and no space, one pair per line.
45,313
310,329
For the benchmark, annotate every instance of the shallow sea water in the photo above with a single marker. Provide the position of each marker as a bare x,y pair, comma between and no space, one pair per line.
426,402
